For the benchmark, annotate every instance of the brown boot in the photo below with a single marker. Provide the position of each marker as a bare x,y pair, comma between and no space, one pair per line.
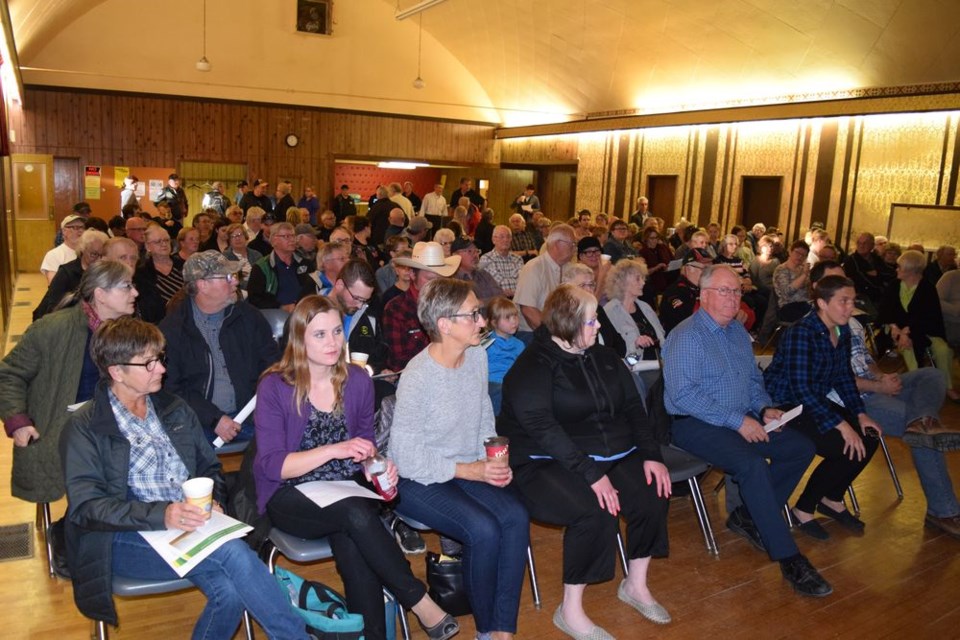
929,432
950,526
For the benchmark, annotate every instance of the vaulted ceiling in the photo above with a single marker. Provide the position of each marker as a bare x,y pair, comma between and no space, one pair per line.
501,61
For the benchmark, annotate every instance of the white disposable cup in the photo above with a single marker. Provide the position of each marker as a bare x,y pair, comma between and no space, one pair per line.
199,492
359,358
606,257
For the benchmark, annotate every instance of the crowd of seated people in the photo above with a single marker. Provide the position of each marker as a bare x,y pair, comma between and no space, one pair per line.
570,308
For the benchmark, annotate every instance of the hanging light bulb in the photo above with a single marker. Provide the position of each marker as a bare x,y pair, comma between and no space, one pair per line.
203,64
418,83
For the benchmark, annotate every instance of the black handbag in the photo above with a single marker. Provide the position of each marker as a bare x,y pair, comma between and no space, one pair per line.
445,584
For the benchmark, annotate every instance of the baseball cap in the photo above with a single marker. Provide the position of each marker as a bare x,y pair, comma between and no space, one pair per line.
205,264
72,218
588,243
461,243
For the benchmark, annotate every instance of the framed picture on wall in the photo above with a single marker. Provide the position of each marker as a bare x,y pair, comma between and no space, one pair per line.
314,16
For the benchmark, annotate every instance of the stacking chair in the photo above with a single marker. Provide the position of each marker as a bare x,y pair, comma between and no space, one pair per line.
136,588
277,319
304,551
686,467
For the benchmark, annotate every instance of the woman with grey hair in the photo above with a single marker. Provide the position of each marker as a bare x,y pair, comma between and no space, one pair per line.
89,251
159,276
126,454
913,316
634,319
437,443
49,369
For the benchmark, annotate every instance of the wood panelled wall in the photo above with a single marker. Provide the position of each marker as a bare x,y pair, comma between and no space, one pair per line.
844,171
134,130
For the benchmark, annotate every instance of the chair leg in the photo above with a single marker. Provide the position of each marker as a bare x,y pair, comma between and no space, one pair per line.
401,614
272,558
788,516
623,553
772,337
534,587
100,630
720,485
697,497
43,522
854,504
891,468
247,625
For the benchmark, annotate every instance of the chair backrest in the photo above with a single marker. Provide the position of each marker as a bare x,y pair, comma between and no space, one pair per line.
383,421
277,319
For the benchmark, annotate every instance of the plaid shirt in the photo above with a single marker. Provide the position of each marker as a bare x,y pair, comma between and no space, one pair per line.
504,269
156,470
523,241
402,330
806,367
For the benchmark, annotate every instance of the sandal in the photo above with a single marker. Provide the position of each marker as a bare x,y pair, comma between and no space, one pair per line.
446,628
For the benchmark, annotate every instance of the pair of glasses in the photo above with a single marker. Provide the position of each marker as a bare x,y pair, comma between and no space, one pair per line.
150,364
591,286
127,286
238,235
592,323
590,252
284,236
474,315
359,299
93,255
161,241
726,292
230,277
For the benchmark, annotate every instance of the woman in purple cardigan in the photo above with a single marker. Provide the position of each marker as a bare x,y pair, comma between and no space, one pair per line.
314,421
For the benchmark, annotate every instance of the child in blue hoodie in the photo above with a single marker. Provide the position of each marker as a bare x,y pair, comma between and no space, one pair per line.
504,316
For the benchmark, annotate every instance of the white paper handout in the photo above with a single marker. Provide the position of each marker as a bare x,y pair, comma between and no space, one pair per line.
184,550
675,264
784,419
326,492
243,415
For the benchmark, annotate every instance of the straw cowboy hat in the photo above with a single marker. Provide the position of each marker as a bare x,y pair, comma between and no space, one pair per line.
429,256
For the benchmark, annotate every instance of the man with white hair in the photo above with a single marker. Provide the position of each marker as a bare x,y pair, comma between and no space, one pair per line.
400,200
501,263
434,206
642,213
540,276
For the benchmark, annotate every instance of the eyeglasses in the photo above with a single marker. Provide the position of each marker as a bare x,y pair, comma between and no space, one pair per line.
161,241
359,299
588,285
284,236
72,227
565,241
726,292
592,322
239,234
149,365
124,285
93,255
474,315
590,252
230,277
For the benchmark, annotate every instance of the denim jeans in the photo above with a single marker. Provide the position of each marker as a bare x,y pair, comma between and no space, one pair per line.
494,528
232,578
764,487
922,395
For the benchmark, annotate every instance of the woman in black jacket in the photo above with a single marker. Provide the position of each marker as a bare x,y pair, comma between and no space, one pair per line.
125,455
583,452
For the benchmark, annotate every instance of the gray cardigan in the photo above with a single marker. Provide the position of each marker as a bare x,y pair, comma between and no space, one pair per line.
442,417
626,326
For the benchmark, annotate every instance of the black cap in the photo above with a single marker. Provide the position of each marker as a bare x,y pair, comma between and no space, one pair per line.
82,208
242,183
173,176
588,243
343,186
461,243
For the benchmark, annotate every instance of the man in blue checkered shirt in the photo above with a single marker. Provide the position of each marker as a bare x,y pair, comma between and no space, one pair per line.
715,393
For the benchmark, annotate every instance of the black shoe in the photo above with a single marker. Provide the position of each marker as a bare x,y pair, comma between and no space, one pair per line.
813,529
845,518
409,540
804,579
740,523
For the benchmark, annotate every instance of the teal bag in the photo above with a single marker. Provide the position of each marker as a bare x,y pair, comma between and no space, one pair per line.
323,610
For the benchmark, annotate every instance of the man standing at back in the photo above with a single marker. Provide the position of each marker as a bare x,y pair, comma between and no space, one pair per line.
174,195
714,392
217,346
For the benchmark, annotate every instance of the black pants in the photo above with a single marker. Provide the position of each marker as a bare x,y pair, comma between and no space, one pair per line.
367,558
836,471
554,495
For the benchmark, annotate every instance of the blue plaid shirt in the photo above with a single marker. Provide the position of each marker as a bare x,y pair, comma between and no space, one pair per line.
806,367
710,373
156,470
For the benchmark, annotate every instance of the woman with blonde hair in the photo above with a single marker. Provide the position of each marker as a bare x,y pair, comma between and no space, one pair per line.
314,421
634,319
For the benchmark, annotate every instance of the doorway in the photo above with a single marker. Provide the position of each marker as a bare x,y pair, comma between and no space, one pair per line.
662,194
33,211
760,200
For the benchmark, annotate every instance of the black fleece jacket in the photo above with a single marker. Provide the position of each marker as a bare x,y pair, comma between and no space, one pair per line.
568,407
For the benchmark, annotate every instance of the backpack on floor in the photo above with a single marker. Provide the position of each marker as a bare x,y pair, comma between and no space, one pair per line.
322,609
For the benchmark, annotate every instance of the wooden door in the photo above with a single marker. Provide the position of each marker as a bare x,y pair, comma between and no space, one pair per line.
67,189
760,201
33,210
662,194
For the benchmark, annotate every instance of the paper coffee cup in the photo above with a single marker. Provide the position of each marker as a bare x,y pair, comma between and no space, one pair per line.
358,358
606,257
199,492
498,449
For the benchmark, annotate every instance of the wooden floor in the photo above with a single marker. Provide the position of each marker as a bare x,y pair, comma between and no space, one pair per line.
899,580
